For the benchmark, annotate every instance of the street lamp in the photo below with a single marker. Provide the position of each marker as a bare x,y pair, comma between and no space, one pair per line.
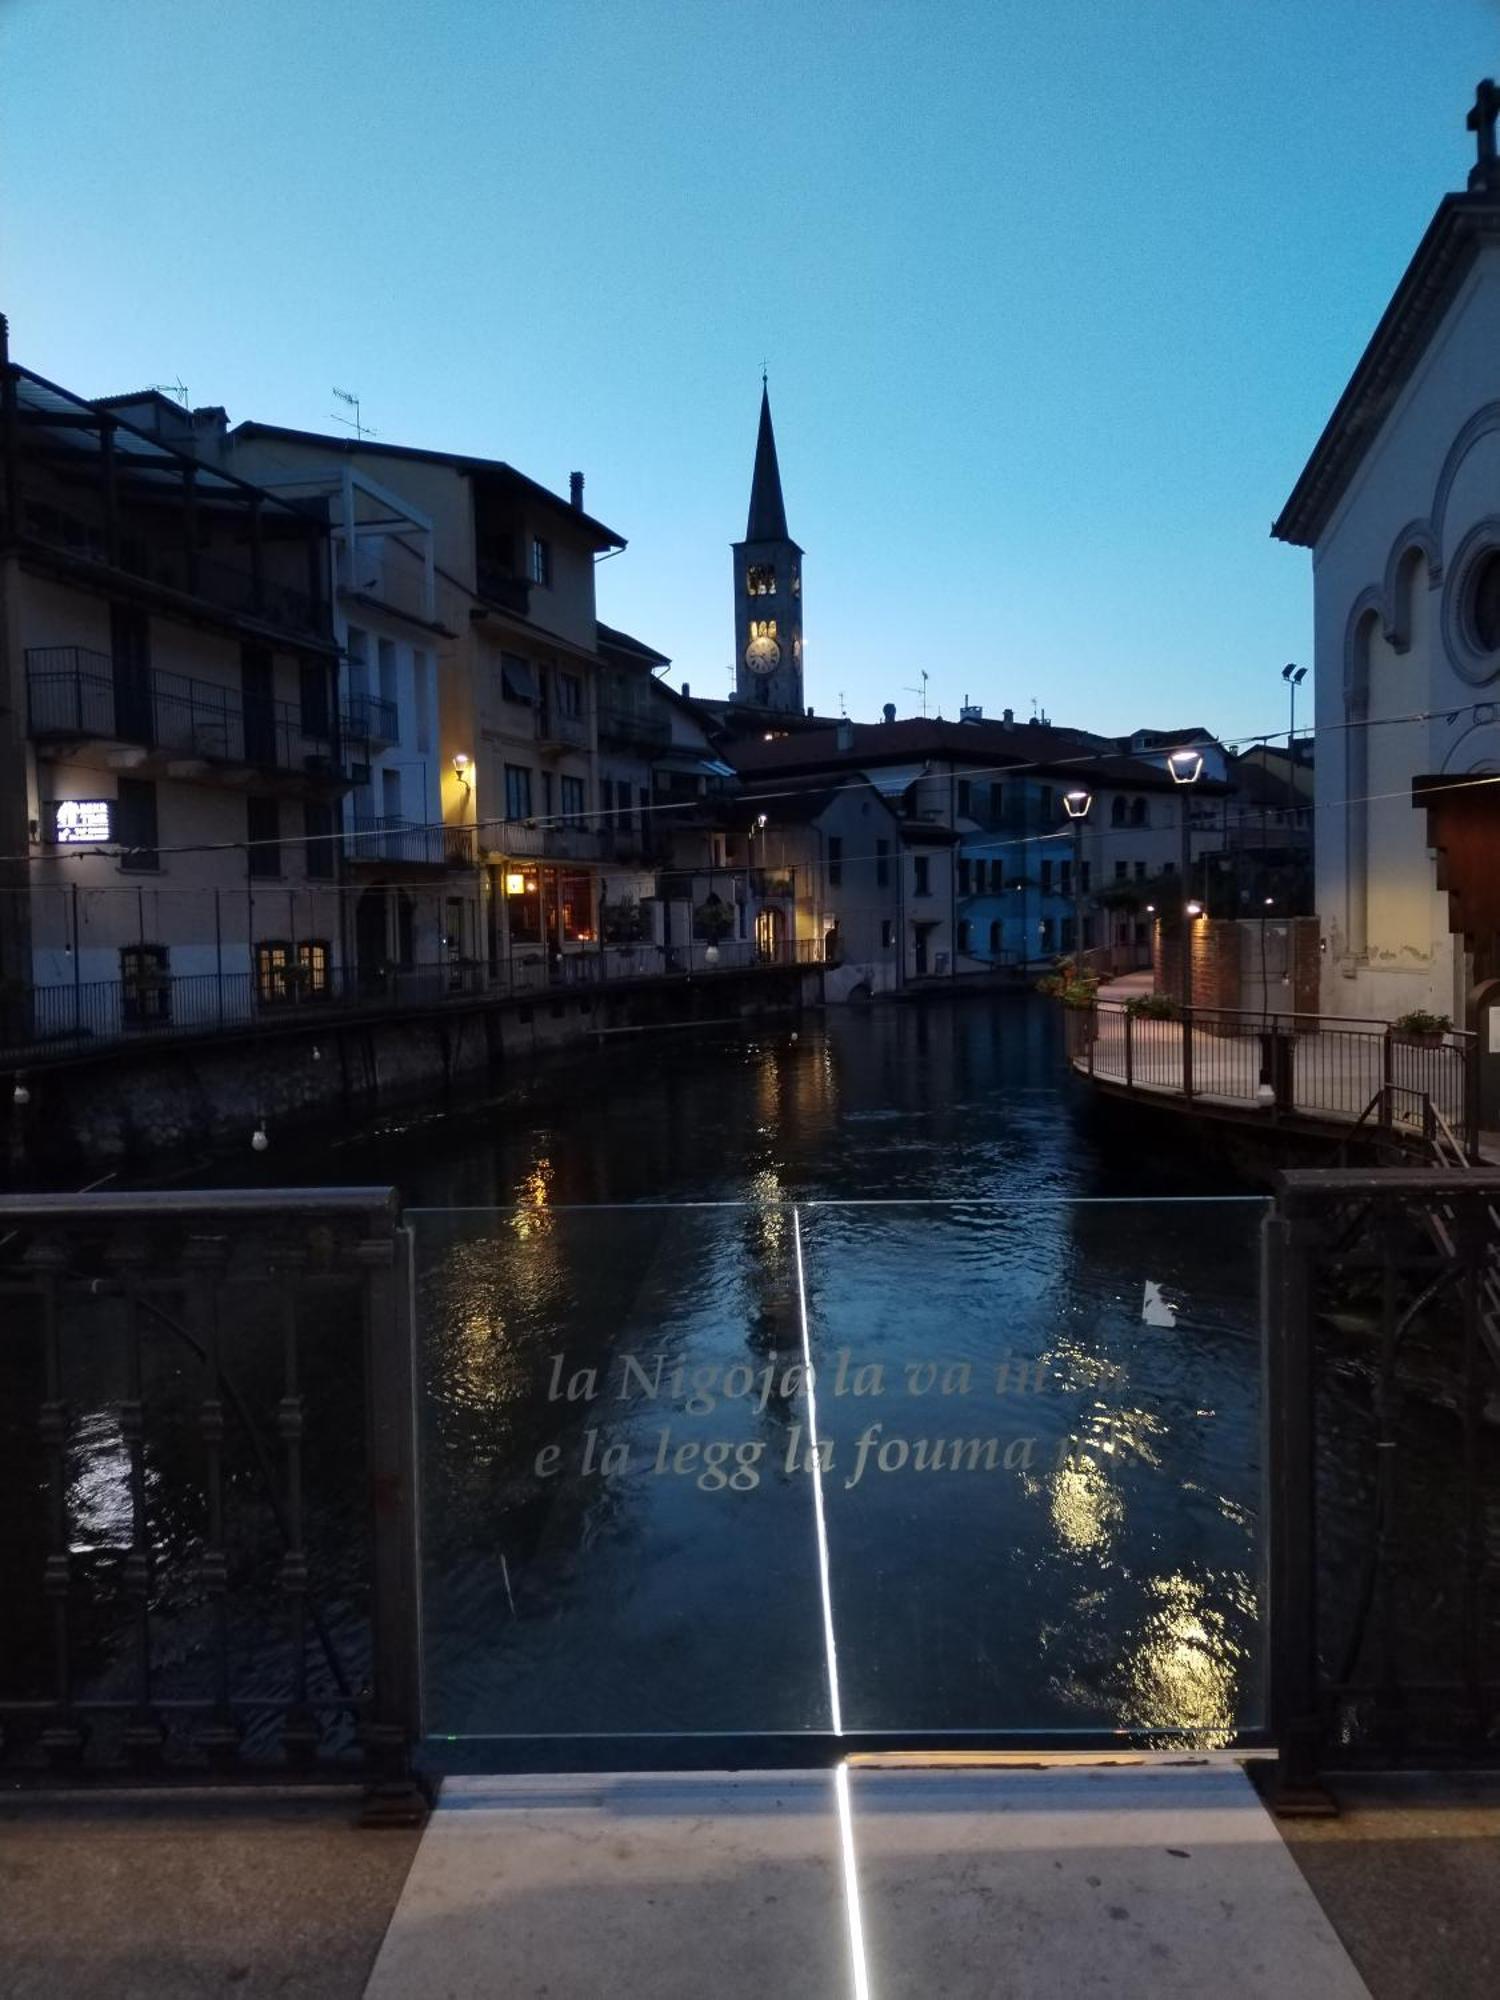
1294,676
1076,805
1186,767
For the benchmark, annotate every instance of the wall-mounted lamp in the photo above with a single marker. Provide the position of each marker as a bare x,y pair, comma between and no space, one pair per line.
20,1095
515,885
461,762
1195,909
760,821
259,1139
1151,909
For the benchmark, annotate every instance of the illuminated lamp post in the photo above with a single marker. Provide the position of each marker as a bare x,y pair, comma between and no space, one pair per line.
1076,805
1186,767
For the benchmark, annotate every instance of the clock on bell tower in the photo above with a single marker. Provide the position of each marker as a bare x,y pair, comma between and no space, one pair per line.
767,589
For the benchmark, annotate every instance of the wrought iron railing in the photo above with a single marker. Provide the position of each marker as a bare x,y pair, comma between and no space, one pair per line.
1316,1066
61,1023
210,1485
388,838
73,691
1384,1389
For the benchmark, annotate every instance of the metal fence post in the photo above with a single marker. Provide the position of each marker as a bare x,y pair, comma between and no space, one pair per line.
1129,1050
1289,1430
394,1797
1187,1054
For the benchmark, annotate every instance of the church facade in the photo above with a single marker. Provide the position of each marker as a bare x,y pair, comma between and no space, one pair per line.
1400,507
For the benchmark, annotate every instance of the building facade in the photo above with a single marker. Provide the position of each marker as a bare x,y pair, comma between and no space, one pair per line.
1398,505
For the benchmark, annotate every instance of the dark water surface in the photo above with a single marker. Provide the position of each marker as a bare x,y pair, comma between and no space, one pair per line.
1040,1496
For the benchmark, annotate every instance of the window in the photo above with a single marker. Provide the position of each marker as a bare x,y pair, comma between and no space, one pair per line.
1169,868
835,861
263,830
1117,812
317,828
273,961
963,935
1140,871
883,864
135,823
1484,602
762,628
314,704
887,933
1122,871
312,962
1085,870
978,878
1048,810
1138,812
966,798
576,897
1048,929
1046,869
1067,933
571,798
963,873
995,937
760,580
516,683
546,795
1065,878
921,871
145,988
541,562
517,792
570,696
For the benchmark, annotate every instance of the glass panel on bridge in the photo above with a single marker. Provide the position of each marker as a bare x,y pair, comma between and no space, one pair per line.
1018,1493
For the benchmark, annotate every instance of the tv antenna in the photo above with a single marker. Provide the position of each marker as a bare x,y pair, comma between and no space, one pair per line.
360,430
843,706
922,691
177,389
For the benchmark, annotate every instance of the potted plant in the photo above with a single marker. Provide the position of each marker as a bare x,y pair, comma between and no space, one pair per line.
1421,1030
1151,1007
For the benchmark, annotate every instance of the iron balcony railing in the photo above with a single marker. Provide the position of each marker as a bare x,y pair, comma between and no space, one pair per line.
634,723
372,718
503,588
533,840
75,692
391,838
224,585
563,732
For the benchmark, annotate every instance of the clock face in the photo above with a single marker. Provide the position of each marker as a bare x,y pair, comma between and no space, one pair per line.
762,656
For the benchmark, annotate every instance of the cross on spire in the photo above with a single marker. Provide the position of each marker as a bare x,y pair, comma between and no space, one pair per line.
1485,173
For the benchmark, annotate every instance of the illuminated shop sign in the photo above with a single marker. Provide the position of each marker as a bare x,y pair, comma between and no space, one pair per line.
81,822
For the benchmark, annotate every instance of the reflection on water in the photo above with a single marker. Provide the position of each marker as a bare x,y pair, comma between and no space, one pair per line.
1042,1509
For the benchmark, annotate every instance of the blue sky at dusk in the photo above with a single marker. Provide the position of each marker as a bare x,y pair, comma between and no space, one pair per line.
1055,297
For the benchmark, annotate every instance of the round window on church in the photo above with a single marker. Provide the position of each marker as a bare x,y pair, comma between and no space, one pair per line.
1484,602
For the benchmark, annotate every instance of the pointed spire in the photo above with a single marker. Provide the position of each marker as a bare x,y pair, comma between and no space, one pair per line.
767,522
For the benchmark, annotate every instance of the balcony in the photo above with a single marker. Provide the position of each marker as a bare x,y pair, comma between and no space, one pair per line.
76,694
220,584
556,731
503,588
635,724
371,719
528,840
389,838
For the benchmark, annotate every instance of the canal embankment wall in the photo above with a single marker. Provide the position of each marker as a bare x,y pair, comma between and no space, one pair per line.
152,1106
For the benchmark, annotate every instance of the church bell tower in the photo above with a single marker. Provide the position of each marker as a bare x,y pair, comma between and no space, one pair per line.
767,589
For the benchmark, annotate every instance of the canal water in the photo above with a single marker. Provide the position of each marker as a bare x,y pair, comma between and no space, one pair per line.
1021,1490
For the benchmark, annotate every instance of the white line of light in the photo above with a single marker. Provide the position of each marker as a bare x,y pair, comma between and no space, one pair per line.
830,1647
852,1911
851,1885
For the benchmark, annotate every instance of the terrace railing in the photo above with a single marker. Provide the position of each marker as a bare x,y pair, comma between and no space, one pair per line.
207,1406
1317,1066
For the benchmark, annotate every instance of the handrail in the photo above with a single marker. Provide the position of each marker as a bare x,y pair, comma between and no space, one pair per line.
1291,1014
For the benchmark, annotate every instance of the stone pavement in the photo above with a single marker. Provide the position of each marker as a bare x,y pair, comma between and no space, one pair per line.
971,1882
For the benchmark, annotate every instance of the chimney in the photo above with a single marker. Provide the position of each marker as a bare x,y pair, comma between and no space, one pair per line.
888,713
971,712
575,489
844,735
686,691
1008,717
